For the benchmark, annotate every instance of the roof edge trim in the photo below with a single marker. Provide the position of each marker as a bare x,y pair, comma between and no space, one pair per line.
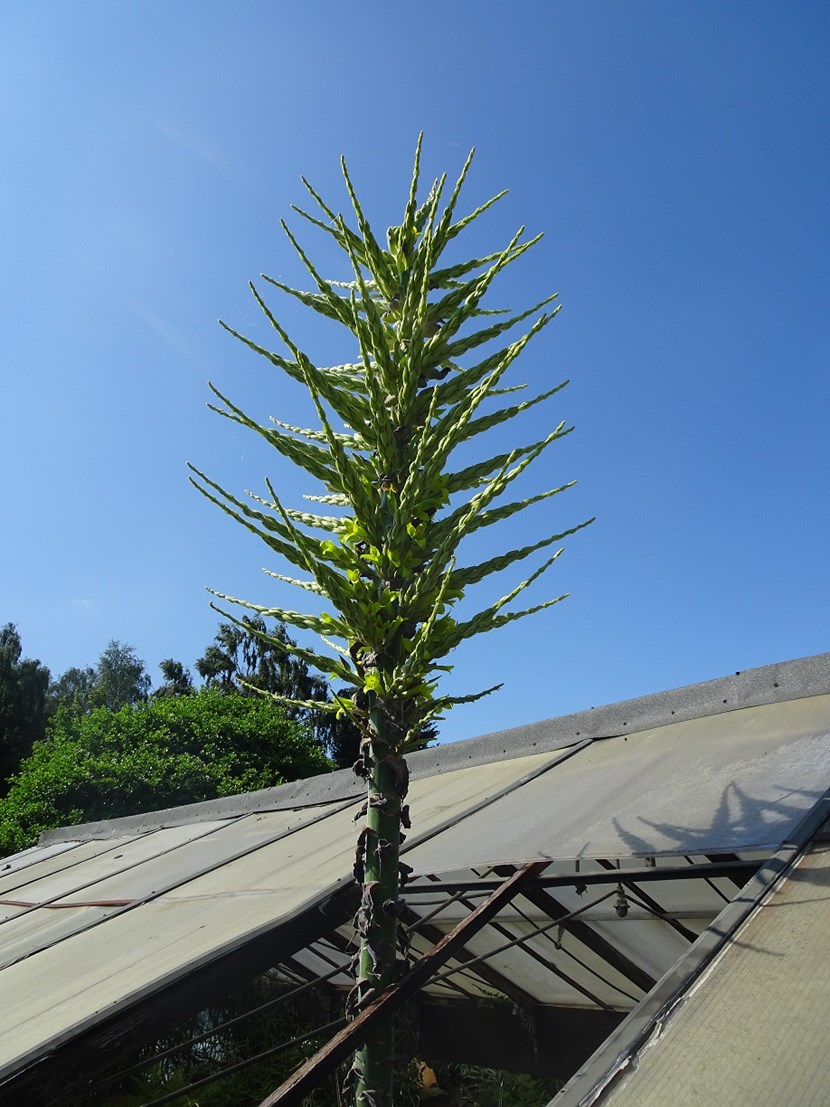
802,678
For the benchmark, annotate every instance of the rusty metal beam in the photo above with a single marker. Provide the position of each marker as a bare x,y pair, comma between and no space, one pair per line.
482,969
292,1092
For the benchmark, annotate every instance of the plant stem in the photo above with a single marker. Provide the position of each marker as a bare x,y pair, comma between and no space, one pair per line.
377,918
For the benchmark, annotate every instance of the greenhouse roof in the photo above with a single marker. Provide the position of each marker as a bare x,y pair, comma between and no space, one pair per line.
656,826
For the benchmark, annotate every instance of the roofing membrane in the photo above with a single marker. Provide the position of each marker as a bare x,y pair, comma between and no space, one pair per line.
754,1028
728,782
123,916
90,925
84,961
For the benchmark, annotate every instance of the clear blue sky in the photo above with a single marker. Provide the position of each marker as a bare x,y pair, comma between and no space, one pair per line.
676,156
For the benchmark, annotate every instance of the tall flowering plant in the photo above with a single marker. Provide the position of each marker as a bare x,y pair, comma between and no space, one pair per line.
384,557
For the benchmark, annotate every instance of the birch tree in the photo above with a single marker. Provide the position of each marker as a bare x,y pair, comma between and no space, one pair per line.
380,544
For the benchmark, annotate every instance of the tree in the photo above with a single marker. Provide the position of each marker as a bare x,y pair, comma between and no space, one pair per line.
74,690
226,1037
23,684
247,658
177,679
120,677
387,563
147,756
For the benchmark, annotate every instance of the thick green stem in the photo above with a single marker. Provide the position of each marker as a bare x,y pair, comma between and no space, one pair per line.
377,918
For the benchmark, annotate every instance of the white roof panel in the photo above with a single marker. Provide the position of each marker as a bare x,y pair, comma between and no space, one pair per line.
190,891
754,1027
723,783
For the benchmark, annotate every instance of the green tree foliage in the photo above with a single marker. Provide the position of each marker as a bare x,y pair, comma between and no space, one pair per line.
119,678
73,690
240,661
473,1086
23,685
226,1039
244,658
147,756
177,679
249,658
385,558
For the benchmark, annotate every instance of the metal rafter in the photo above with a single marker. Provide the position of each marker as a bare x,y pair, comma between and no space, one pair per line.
489,975
585,934
309,1075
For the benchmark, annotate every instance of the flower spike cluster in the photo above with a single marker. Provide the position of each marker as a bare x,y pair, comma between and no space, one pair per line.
384,555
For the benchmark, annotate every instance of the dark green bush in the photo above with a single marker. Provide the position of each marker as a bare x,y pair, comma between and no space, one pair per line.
170,751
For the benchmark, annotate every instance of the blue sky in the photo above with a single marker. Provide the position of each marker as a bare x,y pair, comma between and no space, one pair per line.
676,157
